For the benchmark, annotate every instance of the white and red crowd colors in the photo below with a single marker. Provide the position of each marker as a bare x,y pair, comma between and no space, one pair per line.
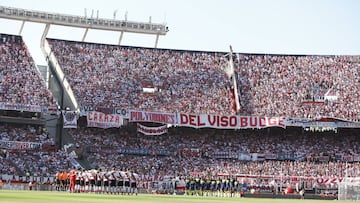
190,82
195,82
275,85
17,158
188,151
20,81
113,76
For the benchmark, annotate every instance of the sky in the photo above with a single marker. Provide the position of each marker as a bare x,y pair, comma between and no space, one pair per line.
314,27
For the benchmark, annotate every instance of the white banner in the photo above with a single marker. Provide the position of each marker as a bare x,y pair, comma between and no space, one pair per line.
20,107
327,180
330,122
70,119
152,130
19,145
257,157
101,120
229,122
155,117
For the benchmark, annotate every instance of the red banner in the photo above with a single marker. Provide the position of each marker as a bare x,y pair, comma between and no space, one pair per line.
101,120
155,117
229,122
328,180
152,130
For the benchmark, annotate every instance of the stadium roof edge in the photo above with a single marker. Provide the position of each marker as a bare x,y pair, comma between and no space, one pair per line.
85,22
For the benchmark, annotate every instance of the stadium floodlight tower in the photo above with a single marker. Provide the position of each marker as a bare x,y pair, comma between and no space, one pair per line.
85,22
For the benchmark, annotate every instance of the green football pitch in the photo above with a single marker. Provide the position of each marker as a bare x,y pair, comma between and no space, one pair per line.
11,196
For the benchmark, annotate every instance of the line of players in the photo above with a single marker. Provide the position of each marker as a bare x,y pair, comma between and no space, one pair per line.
216,187
97,181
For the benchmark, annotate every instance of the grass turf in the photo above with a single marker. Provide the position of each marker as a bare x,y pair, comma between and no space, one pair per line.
14,196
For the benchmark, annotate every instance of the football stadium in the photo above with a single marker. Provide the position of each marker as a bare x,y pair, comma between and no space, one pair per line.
109,123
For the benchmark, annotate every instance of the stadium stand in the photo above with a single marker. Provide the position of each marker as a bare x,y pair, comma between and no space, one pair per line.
114,76
194,82
190,82
24,147
299,86
211,152
21,82
29,148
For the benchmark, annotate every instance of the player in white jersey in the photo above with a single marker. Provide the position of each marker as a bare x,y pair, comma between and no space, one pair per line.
77,181
112,181
91,175
105,181
118,181
122,182
99,181
127,182
87,180
133,185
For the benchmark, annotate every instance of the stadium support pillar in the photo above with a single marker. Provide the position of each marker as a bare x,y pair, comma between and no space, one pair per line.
85,33
21,27
156,40
121,36
43,37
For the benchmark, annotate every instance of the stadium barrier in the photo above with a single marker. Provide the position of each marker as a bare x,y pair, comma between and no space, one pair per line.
27,186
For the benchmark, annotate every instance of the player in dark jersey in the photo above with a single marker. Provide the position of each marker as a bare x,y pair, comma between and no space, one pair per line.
213,187
218,187
236,188
207,186
197,186
192,186
58,180
187,186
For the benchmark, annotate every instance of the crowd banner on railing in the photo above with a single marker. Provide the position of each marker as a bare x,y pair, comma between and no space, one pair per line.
228,122
102,120
52,110
155,117
20,145
70,119
221,121
20,107
106,110
123,112
332,122
152,130
225,155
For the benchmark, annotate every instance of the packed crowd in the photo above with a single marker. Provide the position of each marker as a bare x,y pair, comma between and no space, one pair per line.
188,81
20,81
114,76
187,152
19,159
194,152
299,86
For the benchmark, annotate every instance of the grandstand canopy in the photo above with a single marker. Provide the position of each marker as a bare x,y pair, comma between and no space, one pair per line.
84,22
